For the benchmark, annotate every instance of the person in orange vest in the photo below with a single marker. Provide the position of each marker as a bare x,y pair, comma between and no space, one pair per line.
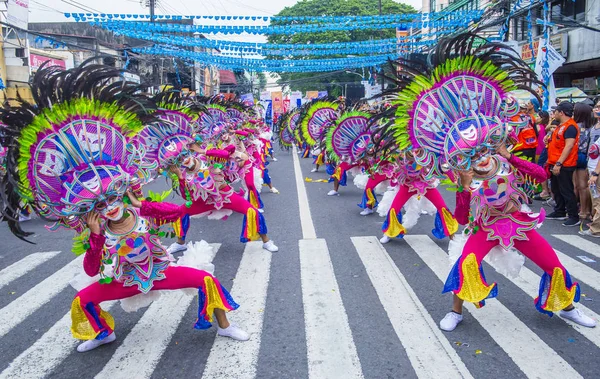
528,136
562,159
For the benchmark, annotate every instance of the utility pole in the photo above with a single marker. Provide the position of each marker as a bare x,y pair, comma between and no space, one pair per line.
382,79
152,6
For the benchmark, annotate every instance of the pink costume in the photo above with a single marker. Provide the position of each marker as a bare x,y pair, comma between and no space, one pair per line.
499,221
218,195
253,162
141,265
385,171
412,182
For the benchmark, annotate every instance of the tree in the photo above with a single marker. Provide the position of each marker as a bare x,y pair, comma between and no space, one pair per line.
332,82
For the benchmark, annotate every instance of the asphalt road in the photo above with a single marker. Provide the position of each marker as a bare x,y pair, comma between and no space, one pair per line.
336,306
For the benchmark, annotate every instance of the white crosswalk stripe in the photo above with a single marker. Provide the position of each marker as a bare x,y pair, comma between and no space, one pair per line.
47,352
581,243
234,359
15,312
141,350
580,271
22,267
533,356
529,282
431,357
331,349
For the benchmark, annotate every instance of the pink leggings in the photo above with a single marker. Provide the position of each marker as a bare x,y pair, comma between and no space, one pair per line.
253,194
369,199
238,204
88,299
374,181
466,279
537,249
404,194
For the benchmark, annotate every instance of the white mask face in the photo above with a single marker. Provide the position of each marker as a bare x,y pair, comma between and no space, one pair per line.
189,162
484,165
114,211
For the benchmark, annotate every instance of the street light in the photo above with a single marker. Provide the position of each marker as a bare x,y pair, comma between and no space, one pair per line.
355,73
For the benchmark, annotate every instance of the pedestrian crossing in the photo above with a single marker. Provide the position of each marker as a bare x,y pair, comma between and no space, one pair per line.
331,339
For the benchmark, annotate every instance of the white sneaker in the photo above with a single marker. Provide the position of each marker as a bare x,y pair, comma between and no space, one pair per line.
261,210
578,317
366,212
92,344
423,212
274,159
23,218
270,246
333,193
274,190
450,321
176,248
234,332
588,233
384,239
314,170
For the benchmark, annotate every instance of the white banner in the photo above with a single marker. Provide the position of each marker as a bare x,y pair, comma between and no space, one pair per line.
265,95
18,13
555,60
295,99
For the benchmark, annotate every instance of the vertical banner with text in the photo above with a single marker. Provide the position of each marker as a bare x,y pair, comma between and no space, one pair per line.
277,101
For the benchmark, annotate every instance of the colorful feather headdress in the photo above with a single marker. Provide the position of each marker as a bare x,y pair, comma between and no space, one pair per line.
317,117
213,122
349,137
174,129
73,148
460,103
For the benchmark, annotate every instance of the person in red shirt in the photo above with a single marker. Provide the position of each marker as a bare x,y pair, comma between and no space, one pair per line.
562,159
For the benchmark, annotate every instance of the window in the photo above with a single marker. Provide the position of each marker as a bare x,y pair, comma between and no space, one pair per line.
432,6
574,10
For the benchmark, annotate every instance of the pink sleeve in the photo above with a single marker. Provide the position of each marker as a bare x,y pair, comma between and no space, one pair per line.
463,207
162,211
528,168
93,255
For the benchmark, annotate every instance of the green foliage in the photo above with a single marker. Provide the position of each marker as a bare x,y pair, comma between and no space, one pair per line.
158,197
81,243
331,82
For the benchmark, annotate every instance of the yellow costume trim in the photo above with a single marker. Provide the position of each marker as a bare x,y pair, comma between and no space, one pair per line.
450,221
253,200
251,226
394,227
177,227
320,161
80,325
473,289
370,196
337,174
559,297
213,298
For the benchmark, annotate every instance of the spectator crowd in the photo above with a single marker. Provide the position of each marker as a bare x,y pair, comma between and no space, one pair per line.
566,142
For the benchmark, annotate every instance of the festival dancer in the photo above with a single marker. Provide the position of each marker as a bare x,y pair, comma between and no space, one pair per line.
315,119
199,175
346,141
460,108
73,159
412,181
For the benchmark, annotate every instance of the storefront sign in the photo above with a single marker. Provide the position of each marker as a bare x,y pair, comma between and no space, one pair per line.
36,61
558,41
